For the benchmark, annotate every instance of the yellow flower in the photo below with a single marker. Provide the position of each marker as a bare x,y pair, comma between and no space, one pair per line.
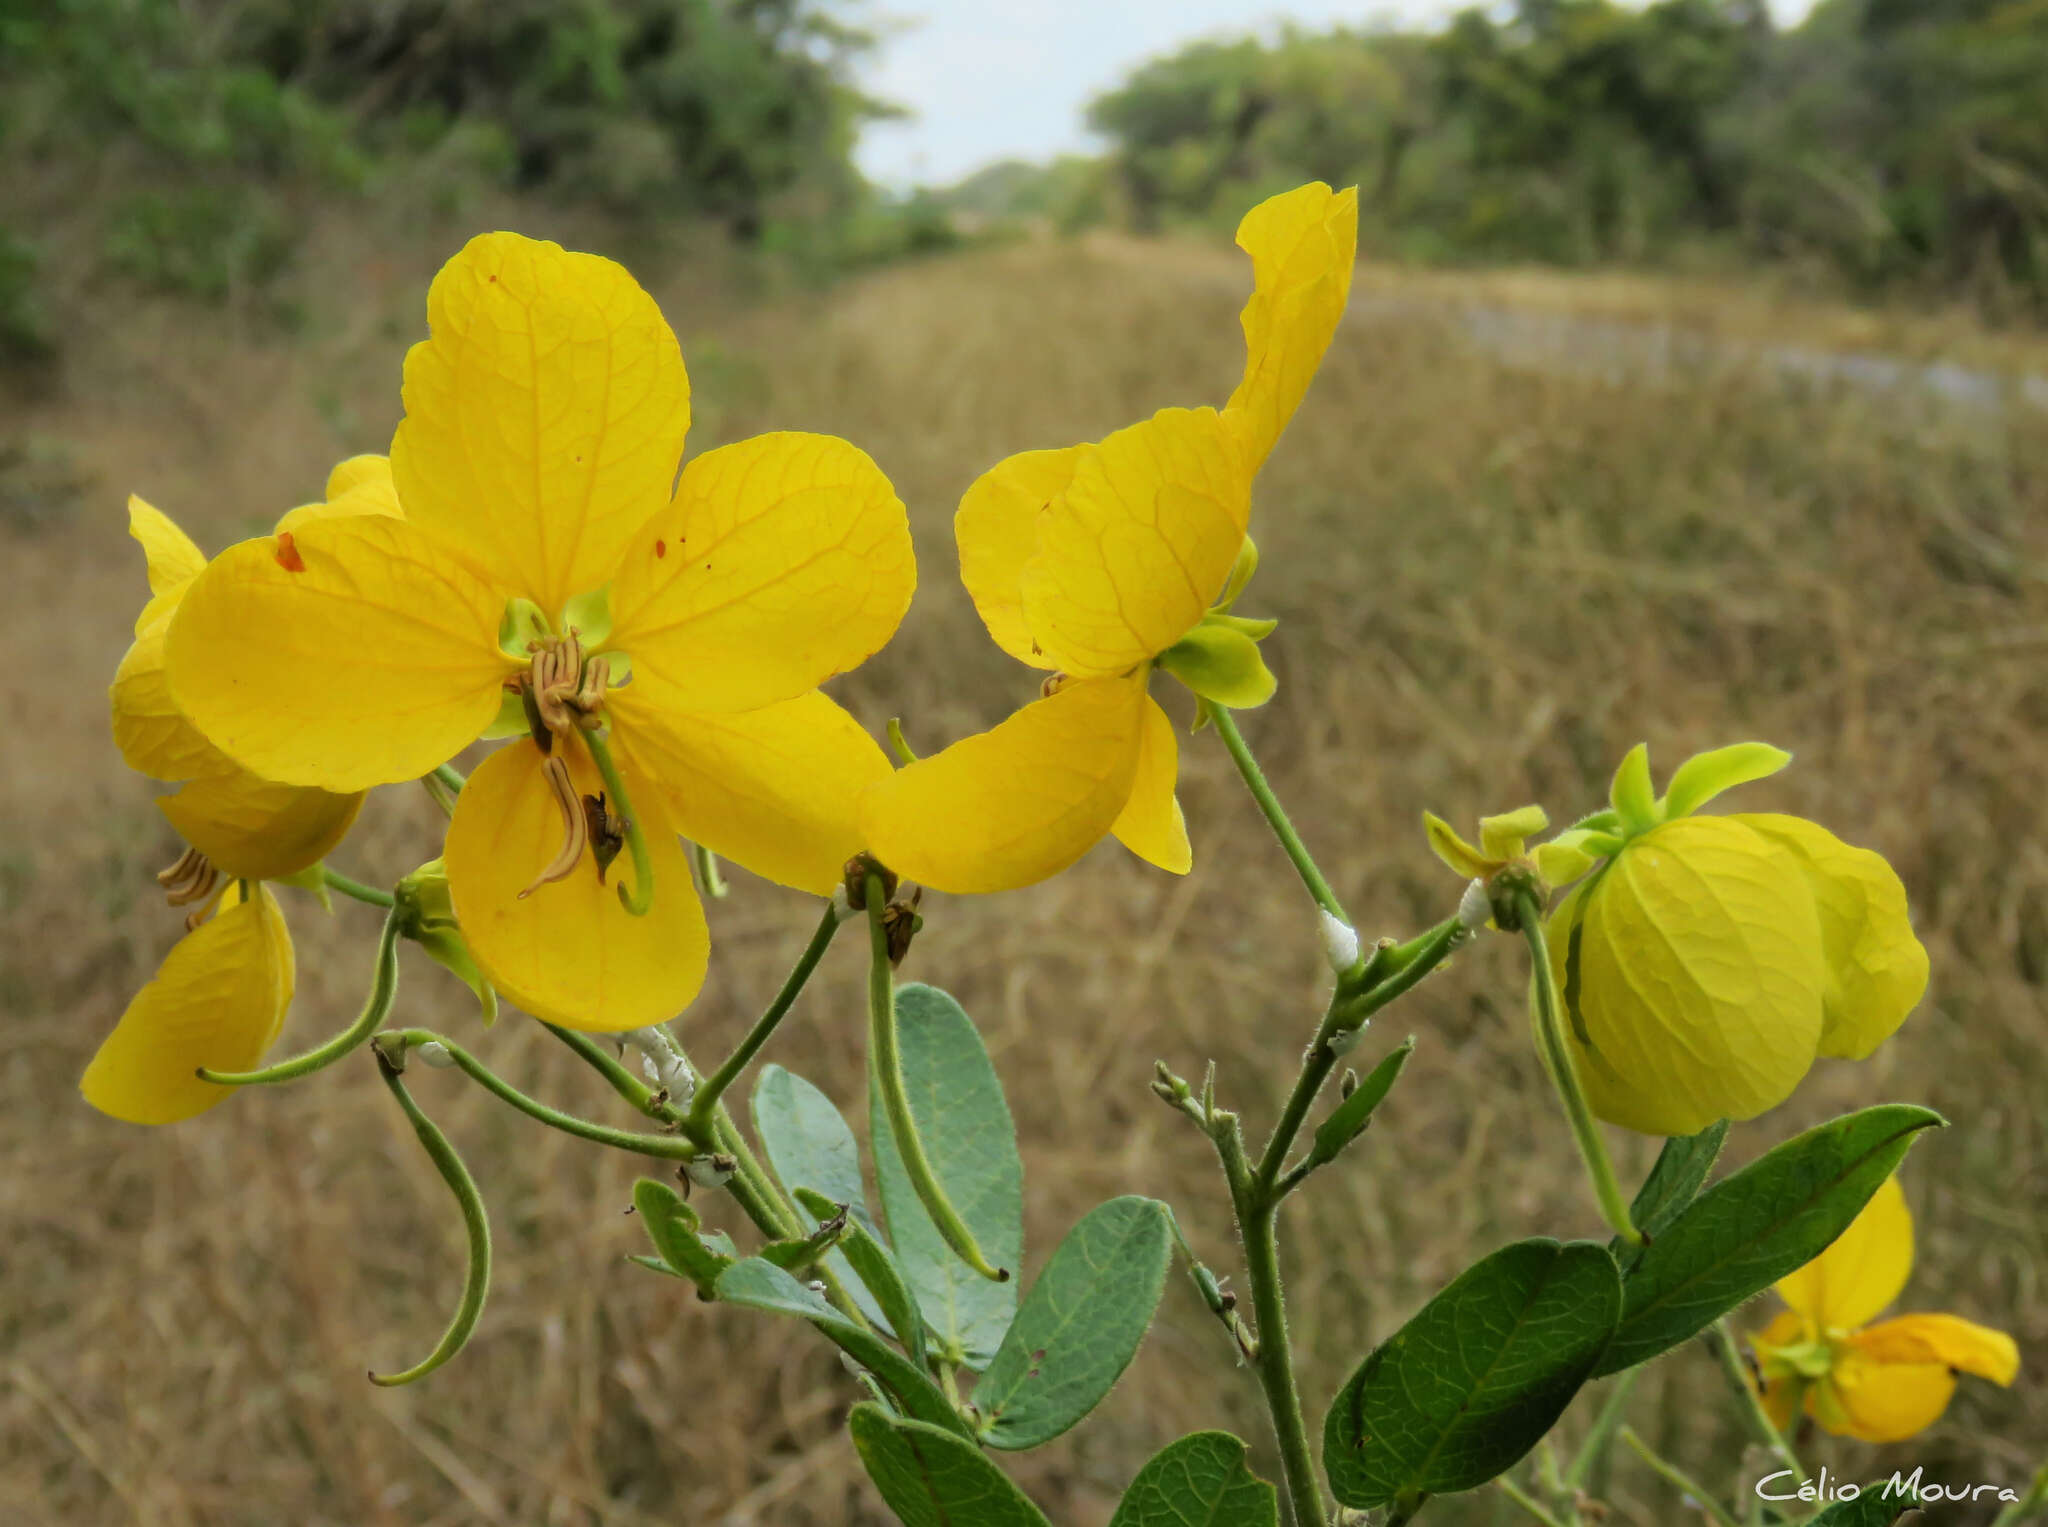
248,827
1100,562
551,575
217,1001
1883,1382
1708,961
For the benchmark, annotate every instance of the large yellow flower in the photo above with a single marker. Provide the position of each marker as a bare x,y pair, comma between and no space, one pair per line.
1100,562
549,554
1882,1382
1708,961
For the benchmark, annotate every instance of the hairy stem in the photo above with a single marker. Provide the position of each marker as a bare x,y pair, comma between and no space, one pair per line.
1276,815
1678,1479
1604,1423
1753,1411
713,1086
1258,1225
336,881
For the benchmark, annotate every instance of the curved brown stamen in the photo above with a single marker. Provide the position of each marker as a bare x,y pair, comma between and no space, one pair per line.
575,826
191,879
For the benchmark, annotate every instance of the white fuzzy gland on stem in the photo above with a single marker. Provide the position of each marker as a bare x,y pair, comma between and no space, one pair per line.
1340,942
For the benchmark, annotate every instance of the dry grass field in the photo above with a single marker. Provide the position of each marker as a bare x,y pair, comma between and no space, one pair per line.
1489,585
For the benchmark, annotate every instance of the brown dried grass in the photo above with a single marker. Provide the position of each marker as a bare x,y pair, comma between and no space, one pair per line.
1490,584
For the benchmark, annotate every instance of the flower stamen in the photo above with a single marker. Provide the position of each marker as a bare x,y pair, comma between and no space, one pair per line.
191,879
575,826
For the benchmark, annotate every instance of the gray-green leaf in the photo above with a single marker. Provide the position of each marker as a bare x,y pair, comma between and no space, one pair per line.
1750,1229
673,1227
1477,1377
761,1285
809,1146
1200,1481
1080,1325
875,1266
930,1478
965,1125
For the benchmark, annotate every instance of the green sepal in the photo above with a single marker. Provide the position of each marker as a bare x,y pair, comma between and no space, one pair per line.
590,617
1633,797
1705,775
312,878
522,627
1241,571
426,915
510,720
1257,630
1221,665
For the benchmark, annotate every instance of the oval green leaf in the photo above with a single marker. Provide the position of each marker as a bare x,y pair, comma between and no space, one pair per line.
761,1285
809,1146
964,1122
930,1478
673,1227
1080,1325
1753,1227
1477,1377
1200,1481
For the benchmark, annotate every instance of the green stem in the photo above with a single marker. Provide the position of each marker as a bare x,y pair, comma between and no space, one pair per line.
706,861
452,777
886,1060
1603,1428
1527,1502
336,881
439,792
623,1081
1678,1479
1275,1362
477,1282
1760,1422
1276,816
383,987
668,1147
1564,1075
641,897
713,1087
2035,1498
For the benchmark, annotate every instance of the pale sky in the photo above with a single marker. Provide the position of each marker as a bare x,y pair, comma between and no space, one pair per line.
999,79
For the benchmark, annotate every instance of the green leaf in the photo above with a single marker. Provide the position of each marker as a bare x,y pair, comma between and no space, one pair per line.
1633,797
1705,775
1750,1229
1199,1481
809,1146
1680,1171
1477,1377
965,1125
1874,1507
875,1266
1222,665
761,1285
1348,1120
673,1227
930,1478
1080,1325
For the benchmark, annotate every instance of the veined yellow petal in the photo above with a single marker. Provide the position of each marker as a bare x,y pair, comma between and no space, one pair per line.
1946,1339
359,652
171,555
544,415
570,953
1877,969
1304,246
256,830
775,790
996,529
783,560
153,735
1010,806
1692,975
1151,825
1877,1401
372,496
1862,1270
359,472
217,1001
1139,546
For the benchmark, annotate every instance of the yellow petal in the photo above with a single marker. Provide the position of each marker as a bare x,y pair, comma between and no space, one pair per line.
256,830
1697,979
169,551
153,735
1862,1270
1139,546
217,1001
358,653
1878,1401
1950,1340
1304,245
370,472
1151,825
544,417
570,953
775,790
1877,969
783,560
1780,1395
1010,806
1448,846
996,528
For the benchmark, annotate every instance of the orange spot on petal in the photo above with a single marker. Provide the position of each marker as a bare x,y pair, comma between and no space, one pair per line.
661,548
288,556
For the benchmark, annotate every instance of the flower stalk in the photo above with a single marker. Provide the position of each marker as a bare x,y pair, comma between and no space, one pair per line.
383,988
714,1086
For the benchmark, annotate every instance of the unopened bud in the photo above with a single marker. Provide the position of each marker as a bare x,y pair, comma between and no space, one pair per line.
434,1053
1475,907
1340,943
1344,1041
713,1171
